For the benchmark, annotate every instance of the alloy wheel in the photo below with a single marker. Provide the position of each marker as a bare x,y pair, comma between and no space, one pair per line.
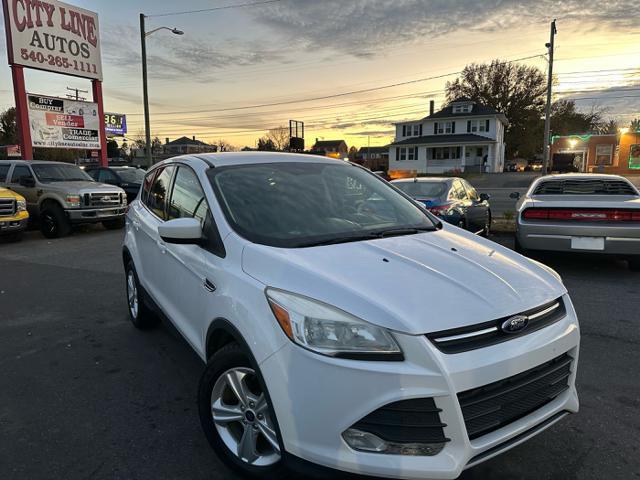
132,294
242,418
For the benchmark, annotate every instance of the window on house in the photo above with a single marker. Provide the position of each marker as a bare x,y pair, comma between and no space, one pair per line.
407,153
478,126
461,108
446,153
445,127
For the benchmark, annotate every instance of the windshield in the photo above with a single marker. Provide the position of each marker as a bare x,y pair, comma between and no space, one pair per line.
422,189
305,204
59,173
131,175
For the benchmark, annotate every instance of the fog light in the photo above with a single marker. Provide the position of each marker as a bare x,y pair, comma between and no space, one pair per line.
368,442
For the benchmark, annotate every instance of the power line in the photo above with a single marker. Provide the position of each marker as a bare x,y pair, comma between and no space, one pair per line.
325,97
213,9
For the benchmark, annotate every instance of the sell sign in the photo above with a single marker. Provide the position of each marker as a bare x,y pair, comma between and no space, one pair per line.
63,123
53,36
116,123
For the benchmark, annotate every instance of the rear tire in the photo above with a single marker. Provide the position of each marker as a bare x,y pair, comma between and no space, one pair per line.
244,433
634,263
53,222
116,224
140,315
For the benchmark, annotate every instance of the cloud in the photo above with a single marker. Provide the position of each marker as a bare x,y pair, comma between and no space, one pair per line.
360,27
184,57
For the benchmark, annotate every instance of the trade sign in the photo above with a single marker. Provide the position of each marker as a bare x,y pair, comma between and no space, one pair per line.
116,123
53,36
63,123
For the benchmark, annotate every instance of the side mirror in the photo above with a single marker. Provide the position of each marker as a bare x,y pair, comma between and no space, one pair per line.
182,231
28,182
514,195
484,197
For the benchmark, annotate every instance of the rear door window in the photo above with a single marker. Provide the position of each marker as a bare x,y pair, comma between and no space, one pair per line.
4,172
107,176
20,171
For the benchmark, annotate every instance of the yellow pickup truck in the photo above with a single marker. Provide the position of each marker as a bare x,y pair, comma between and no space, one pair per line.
13,213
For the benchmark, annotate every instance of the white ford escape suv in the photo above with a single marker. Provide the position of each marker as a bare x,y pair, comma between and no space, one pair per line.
342,325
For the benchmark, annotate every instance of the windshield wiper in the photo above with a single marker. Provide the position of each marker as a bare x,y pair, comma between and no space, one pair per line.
396,232
390,232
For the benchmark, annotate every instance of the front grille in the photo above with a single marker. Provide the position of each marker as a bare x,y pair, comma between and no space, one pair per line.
584,187
480,335
493,406
104,199
407,421
7,207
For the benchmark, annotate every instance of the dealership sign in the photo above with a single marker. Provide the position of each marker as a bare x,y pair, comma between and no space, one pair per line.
53,36
63,123
116,123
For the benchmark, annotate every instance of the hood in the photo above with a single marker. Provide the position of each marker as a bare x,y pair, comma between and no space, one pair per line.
82,186
413,284
6,193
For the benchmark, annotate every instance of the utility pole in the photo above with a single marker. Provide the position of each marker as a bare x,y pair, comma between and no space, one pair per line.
145,93
547,117
77,96
369,151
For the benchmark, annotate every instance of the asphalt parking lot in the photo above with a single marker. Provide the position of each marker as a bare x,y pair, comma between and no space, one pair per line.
85,395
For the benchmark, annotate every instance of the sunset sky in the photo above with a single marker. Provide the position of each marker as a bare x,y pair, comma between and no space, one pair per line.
213,80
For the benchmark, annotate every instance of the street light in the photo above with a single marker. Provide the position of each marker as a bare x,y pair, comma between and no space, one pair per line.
145,93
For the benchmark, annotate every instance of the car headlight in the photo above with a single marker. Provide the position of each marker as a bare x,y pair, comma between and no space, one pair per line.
73,200
21,206
328,330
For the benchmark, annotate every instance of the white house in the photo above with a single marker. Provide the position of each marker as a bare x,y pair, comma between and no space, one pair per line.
464,136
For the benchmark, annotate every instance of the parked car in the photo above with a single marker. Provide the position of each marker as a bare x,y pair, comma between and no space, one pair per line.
13,211
580,213
382,341
60,195
452,199
127,178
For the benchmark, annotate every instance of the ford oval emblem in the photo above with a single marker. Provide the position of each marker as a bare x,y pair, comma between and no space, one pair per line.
515,324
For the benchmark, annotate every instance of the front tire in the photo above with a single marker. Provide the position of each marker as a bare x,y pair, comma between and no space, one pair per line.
53,222
237,417
116,224
140,315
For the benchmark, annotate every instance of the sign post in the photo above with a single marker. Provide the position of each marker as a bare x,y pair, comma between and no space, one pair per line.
22,116
56,37
97,98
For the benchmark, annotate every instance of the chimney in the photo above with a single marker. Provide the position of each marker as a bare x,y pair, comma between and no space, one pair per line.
432,105
166,140
194,138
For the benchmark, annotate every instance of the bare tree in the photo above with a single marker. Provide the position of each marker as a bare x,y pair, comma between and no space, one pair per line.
224,146
279,138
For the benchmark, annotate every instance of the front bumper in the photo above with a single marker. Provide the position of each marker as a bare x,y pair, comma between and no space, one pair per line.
317,398
618,240
89,215
15,224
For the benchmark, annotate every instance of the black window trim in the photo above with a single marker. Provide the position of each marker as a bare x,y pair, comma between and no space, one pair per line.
155,176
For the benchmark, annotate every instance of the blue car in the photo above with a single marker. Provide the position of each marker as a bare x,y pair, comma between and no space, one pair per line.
454,200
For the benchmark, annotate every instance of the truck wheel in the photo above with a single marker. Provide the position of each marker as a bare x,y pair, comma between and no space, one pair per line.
116,224
140,315
53,222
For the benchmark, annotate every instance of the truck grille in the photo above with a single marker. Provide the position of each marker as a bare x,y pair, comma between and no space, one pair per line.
7,207
493,406
103,199
482,335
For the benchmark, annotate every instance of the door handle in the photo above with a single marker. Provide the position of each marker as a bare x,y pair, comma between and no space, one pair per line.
162,246
208,285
